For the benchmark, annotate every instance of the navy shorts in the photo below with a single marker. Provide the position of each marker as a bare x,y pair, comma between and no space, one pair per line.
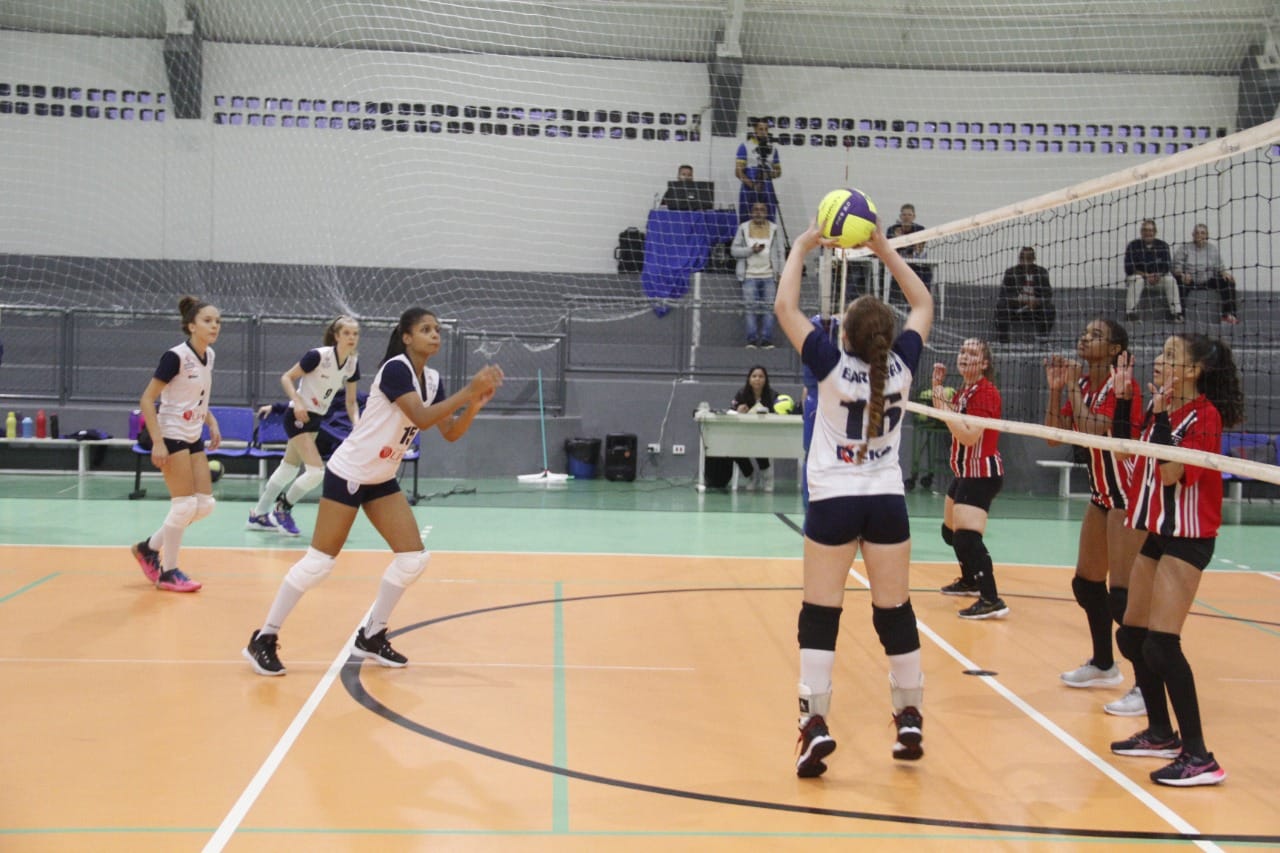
878,519
173,445
975,491
291,427
354,494
1197,552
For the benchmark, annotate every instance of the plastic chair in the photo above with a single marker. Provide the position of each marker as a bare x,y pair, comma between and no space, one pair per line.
1254,446
411,456
236,424
269,442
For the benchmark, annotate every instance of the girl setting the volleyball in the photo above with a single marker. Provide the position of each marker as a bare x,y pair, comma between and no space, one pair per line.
318,375
1195,392
181,384
406,396
856,499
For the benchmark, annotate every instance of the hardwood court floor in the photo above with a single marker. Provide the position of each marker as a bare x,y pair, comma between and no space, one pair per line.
624,682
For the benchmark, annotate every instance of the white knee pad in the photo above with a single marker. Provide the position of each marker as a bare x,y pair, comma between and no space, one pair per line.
406,568
181,511
204,506
310,478
310,570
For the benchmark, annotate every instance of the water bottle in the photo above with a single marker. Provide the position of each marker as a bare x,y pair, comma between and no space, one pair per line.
28,427
11,426
42,424
135,424
53,427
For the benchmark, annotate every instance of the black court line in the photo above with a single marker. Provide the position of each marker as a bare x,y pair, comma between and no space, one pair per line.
355,688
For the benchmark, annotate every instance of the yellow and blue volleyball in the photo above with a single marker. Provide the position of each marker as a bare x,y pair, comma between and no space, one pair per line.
784,405
215,470
847,216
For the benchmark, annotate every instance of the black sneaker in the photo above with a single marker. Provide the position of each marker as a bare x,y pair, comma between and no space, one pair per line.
985,608
1188,770
910,725
261,652
377,648
1144,743
1131,316
960,586
815,744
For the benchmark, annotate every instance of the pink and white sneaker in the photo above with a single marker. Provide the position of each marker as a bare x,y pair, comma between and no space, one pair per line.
175,581
148,559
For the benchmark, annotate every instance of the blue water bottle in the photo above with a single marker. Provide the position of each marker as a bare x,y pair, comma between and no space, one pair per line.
28,427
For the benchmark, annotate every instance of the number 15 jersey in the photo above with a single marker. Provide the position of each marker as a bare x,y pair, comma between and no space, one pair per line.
842,460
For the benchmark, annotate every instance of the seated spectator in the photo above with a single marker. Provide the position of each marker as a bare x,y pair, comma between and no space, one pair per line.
756,395
684,173
1025,300
1198,265
1147,263
758,246
907,224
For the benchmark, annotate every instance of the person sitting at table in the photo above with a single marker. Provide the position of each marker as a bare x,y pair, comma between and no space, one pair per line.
759,248
756,395
1025,301
684,173
907,224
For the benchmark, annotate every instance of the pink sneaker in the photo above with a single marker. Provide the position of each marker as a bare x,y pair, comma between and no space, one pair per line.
175,581
148,559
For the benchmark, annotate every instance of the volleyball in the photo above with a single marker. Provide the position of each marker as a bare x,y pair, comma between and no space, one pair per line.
847,216
784,405
215,470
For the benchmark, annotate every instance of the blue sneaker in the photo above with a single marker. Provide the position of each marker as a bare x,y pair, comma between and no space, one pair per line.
261,522
283,520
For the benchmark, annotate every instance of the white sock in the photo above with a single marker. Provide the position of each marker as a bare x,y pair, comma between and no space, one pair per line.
277,483
388,597
815,669
287,597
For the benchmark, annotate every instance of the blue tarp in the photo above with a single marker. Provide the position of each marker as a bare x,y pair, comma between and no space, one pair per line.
677,244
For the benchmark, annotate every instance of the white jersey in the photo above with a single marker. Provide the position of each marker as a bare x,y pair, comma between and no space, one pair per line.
323,377
184,402
373,451
842,462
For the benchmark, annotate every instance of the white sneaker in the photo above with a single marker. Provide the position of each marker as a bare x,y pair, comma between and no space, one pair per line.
1088,675
1130,704
768,479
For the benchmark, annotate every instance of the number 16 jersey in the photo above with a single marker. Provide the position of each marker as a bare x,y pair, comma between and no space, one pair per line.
842,461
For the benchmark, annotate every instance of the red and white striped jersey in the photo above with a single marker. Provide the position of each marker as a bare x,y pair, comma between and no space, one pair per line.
1192,507
1108,479
981,399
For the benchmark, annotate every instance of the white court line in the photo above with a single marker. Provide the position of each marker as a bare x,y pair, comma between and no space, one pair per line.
259,781
294,664
1164,812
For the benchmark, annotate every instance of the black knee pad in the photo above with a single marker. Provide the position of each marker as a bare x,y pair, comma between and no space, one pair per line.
896,627
818,626
970,549
1129,640
1117,601
1163,653
948,535
1089,594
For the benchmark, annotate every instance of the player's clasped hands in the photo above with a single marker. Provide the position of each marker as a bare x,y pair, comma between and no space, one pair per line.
487,380
1061,372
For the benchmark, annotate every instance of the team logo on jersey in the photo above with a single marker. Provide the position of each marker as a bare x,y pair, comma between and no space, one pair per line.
188,415
385,453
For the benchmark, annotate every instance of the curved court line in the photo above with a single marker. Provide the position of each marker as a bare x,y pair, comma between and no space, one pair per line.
351,680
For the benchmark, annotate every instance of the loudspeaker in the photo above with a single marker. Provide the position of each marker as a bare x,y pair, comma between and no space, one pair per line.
726,91
183,66
620,456
1257,93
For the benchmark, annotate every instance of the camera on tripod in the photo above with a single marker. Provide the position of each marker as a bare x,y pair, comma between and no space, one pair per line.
764,153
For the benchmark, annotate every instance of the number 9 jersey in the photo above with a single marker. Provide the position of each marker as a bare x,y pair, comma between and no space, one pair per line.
842,461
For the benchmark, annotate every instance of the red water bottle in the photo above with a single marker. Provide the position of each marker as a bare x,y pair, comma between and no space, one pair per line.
42,425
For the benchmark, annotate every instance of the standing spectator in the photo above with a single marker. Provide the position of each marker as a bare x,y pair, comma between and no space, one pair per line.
1195,392
1198,264
1025,300
1147,263
758,246
857,503
907,224
976,462
756,167
181,384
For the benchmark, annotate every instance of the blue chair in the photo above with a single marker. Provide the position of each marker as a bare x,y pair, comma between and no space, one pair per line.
270,441
237,425
411,456
1254,446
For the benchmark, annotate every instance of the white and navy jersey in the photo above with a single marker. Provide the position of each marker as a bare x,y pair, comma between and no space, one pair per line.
372,453
322,377
842,460
184,402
